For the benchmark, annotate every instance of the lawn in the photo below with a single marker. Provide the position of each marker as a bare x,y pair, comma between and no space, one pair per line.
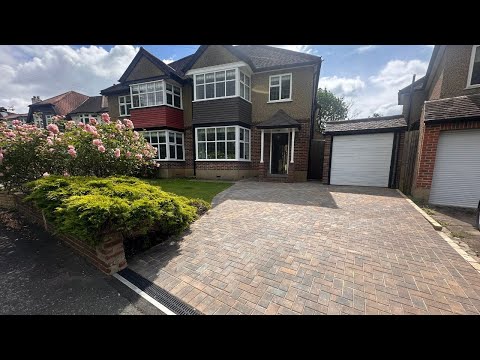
205,190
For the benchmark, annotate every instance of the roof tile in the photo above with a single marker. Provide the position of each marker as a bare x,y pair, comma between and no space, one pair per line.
384,122
459,107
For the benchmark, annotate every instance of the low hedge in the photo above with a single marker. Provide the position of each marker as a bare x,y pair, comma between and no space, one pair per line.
88,207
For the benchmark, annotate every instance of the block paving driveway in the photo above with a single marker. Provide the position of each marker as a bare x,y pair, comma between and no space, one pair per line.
306,248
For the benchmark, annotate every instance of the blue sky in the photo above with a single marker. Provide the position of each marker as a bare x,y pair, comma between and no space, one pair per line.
367,76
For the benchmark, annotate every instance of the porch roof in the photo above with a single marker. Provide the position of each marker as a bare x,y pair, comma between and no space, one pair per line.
278,121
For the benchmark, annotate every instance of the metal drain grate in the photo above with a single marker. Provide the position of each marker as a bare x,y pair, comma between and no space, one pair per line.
162,296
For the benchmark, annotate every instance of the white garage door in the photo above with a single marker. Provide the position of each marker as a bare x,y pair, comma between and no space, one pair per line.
456,175
361,159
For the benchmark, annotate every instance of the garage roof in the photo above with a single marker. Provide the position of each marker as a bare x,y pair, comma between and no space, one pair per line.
367,125
455,108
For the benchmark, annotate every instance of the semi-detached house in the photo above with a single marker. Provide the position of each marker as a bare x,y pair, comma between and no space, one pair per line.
224,112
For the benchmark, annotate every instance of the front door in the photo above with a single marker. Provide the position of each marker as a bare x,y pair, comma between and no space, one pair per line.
279,154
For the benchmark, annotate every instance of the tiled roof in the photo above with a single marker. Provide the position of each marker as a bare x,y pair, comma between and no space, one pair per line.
11,116
416,86
279,120
64,103
180,63
456,108
94,104
384,122
116,88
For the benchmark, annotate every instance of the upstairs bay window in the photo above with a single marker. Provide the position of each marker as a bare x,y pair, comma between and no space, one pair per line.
155,93
280,88
244,86
221,84
124,104
225,143
474,70
169,144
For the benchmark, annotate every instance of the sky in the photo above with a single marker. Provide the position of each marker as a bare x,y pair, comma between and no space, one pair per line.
367,76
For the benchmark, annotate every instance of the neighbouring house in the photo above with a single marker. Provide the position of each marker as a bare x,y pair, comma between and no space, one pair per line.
8,116
41,112
447,107
93,107
364,152
224,112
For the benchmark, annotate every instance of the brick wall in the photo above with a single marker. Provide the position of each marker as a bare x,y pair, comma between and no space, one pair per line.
109,256
223,165
7,200
326,159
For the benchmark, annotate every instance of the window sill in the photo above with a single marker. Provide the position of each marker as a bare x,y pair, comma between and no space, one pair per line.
476,86
218,98
279,101
230,160
165,160
148,107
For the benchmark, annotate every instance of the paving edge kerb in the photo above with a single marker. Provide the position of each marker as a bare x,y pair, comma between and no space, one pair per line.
475,264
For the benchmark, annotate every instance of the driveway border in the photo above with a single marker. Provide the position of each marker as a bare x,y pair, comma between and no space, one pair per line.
431,220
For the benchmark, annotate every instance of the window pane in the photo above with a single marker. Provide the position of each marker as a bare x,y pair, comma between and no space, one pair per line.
247,151
242,90
242,152
274,93
209,91
135,89
172,152
285,87
201,134
220,76
150,87
179,152
200,79
476,68
220,150
142,88
154,137
169,99
127,98
242,134
176,101
200,92
211,134
151,99
230,88
161,137
231,74
220,88
168,87
230,150
158,86
121,100
176,90
247,93
163,151
136,101
230,133
146,135
242,77
202,151
211,150
275,80
221,133
247,80
209,78
159,98
247,135
123,110
143,100
171,137
179,138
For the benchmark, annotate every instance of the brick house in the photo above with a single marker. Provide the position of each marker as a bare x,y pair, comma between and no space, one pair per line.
446,103
224,112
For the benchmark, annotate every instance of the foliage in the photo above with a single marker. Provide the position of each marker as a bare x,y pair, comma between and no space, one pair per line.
66,148
88,207
331,108
376,115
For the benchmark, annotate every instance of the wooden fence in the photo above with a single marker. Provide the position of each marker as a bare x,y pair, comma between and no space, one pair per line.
409,158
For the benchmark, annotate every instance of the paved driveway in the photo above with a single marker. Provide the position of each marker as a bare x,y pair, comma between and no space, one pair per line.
305,248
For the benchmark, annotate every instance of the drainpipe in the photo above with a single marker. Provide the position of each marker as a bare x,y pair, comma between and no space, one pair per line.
313,112
410,104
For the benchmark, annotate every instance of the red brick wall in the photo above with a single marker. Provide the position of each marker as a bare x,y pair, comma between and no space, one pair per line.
428,148
156,117
326,159
223,165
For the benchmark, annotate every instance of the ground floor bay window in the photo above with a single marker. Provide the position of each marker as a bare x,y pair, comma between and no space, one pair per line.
223,143
169,144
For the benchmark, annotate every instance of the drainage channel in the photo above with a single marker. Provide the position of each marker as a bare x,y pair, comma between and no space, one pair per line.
167,300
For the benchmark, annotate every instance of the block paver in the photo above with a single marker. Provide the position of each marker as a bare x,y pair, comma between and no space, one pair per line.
307,248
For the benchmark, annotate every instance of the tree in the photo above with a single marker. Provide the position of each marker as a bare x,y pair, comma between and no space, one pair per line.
375,115
331,108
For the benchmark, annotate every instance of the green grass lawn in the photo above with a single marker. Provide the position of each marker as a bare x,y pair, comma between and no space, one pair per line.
205,190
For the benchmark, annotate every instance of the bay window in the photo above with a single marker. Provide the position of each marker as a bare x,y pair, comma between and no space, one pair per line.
280,88
228,143
124,104
213,85
155,93
169,144
244,86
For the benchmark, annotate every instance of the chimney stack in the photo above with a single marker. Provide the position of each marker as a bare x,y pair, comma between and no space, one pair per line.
35,99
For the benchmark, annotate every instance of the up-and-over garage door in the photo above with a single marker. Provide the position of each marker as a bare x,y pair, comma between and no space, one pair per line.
456,175
362,160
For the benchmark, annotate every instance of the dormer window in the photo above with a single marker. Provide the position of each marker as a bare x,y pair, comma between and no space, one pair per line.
474,71
155,93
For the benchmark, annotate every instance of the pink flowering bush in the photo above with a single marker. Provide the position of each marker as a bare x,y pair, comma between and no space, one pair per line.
94,149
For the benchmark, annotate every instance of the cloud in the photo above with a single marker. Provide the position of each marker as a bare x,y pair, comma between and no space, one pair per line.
365,48
309,49
379,92
168,61
46,71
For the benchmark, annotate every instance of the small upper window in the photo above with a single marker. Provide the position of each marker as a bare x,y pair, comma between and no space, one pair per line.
124,104
281,87
474,73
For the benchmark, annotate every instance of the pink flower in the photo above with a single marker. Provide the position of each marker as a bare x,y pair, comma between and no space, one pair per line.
10,134
16,122
53,128
146,152
97,142
139,156
157,164
92,121
91,129
70,124
51,149
117,152
49,141
72,152
128,123
66,173
106,118
119,126
136,135
45,174
128,154
71,147
101,148
81,124
1,157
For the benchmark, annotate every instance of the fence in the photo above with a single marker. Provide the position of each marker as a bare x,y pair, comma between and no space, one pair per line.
409,158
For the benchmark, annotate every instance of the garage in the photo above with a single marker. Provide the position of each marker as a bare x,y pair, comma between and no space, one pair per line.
364,152
456,174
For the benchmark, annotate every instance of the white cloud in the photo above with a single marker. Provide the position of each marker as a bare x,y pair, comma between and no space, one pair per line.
47,71
309,49
399,73
365,48
341,85
168,61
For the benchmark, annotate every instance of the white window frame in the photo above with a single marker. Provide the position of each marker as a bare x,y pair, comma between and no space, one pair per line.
125,103
235,81
237,142
172,92
49,119
167,143
164,94
246,88
279,88
470,69
83,118
38,120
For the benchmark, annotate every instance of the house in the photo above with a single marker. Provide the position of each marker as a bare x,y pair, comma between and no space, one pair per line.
224,112
446,106
41,112
364,152
93,107
8,116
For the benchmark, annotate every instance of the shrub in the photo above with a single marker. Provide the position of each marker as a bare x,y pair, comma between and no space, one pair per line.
67,148
88,207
